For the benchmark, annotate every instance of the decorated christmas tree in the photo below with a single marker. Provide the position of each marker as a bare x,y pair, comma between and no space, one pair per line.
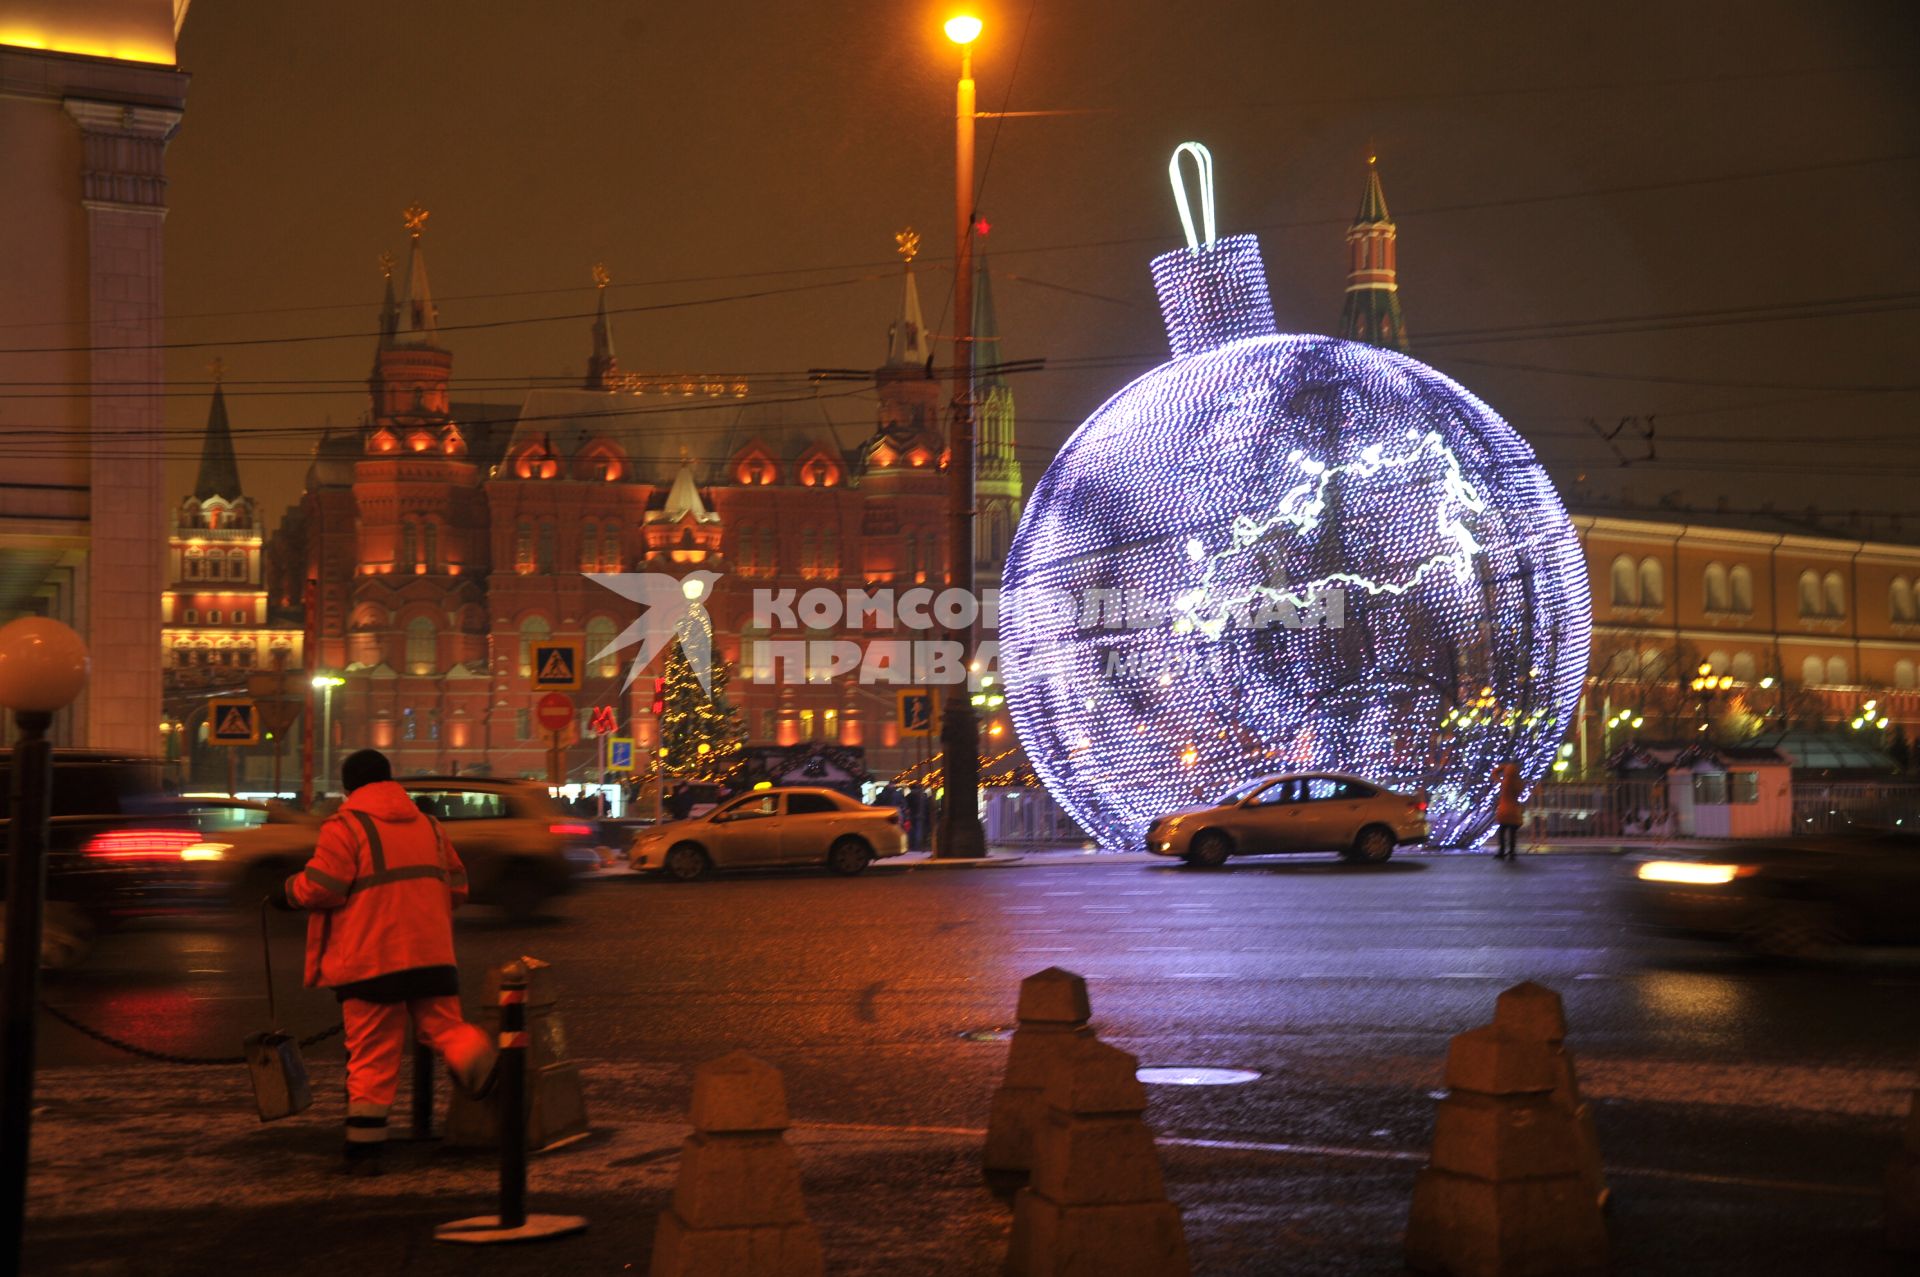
701,731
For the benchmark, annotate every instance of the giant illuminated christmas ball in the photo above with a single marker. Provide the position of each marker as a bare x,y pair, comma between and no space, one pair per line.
1282,553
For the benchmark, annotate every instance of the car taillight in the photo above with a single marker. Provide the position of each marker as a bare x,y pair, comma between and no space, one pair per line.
141,846
1418,804
569,829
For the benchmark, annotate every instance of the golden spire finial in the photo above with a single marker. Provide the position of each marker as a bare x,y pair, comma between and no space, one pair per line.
386,265
908,244
218,367
601,276
415,218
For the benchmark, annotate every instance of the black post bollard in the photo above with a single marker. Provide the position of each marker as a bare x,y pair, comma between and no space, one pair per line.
513,1096
512,1224
423,1062
26,887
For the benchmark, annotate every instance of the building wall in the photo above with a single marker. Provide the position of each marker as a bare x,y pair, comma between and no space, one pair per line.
83,203
1833,622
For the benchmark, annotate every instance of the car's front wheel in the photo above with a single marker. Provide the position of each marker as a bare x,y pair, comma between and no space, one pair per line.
686,863
1209,850
1373,846
848,856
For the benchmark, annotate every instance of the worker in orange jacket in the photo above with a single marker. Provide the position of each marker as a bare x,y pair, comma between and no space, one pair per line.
382,886
1508,811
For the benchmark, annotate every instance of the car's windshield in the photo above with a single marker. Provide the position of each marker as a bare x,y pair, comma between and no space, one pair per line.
1242,790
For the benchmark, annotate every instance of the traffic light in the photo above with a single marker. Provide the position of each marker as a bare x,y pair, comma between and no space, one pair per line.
659,698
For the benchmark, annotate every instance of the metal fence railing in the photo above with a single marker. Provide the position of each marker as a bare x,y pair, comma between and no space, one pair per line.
1823,808
1599,809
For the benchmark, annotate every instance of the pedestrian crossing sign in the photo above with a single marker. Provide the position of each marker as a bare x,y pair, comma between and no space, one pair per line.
620,753
233,722
556,665
919,712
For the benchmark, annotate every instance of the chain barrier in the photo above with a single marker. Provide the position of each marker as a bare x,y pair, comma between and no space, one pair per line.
165,1057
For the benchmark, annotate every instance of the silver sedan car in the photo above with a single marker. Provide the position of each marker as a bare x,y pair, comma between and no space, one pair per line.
1321,812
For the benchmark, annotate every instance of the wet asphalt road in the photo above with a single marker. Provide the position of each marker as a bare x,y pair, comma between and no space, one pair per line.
1340,986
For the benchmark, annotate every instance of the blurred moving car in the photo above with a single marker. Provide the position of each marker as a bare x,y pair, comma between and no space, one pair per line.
520,850
119,848
772,827
1321,812
1788,898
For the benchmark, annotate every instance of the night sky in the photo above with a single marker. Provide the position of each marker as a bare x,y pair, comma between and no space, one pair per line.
1664,168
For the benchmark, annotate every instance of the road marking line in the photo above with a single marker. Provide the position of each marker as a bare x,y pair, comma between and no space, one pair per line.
1383,1155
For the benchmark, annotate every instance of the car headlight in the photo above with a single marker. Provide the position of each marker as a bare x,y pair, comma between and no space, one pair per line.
1693,873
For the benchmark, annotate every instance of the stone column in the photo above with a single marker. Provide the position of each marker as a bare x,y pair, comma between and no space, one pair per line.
123,188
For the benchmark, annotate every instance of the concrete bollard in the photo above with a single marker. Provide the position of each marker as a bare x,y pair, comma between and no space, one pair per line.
1097,1206
1503,1194
1535,1012
1903,1185
1053,1015
556,1100
737,1209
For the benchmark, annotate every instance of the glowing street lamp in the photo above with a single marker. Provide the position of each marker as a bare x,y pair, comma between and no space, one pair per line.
43,666
960,831
324,684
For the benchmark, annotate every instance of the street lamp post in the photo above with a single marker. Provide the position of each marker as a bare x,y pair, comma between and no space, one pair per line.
960,832
324,684
43,666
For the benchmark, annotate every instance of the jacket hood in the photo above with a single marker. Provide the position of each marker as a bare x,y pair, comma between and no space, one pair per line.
383,800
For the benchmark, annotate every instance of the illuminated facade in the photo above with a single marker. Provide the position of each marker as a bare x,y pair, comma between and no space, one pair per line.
434,546
1341,559
1807,626
89,96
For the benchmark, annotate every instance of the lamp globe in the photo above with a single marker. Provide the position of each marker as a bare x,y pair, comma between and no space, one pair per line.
43,665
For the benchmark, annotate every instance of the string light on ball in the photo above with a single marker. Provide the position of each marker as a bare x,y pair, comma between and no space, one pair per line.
1351,562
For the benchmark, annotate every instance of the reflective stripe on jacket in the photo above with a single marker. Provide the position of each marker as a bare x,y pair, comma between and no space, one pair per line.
382,885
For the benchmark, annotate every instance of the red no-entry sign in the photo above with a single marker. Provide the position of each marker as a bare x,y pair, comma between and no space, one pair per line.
553,711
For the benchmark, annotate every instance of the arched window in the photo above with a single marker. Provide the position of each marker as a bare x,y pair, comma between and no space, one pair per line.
1653,583
1740,583
430,544
589,546
236,565
193,616
422,646
1900,599
809,555
216,617
543,556
532,630
1813,671
610,548
1836,670
409,552
746,546
1809,593
1835,595
1744,670
523,548
1715,586
1720,662
1903,674
829,552
1626,583
600,635
196,565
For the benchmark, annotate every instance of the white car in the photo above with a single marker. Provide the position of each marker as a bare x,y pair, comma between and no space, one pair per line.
1324,812
772,827
520,850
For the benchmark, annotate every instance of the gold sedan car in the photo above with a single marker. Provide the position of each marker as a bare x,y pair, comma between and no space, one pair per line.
1326,812
772,827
